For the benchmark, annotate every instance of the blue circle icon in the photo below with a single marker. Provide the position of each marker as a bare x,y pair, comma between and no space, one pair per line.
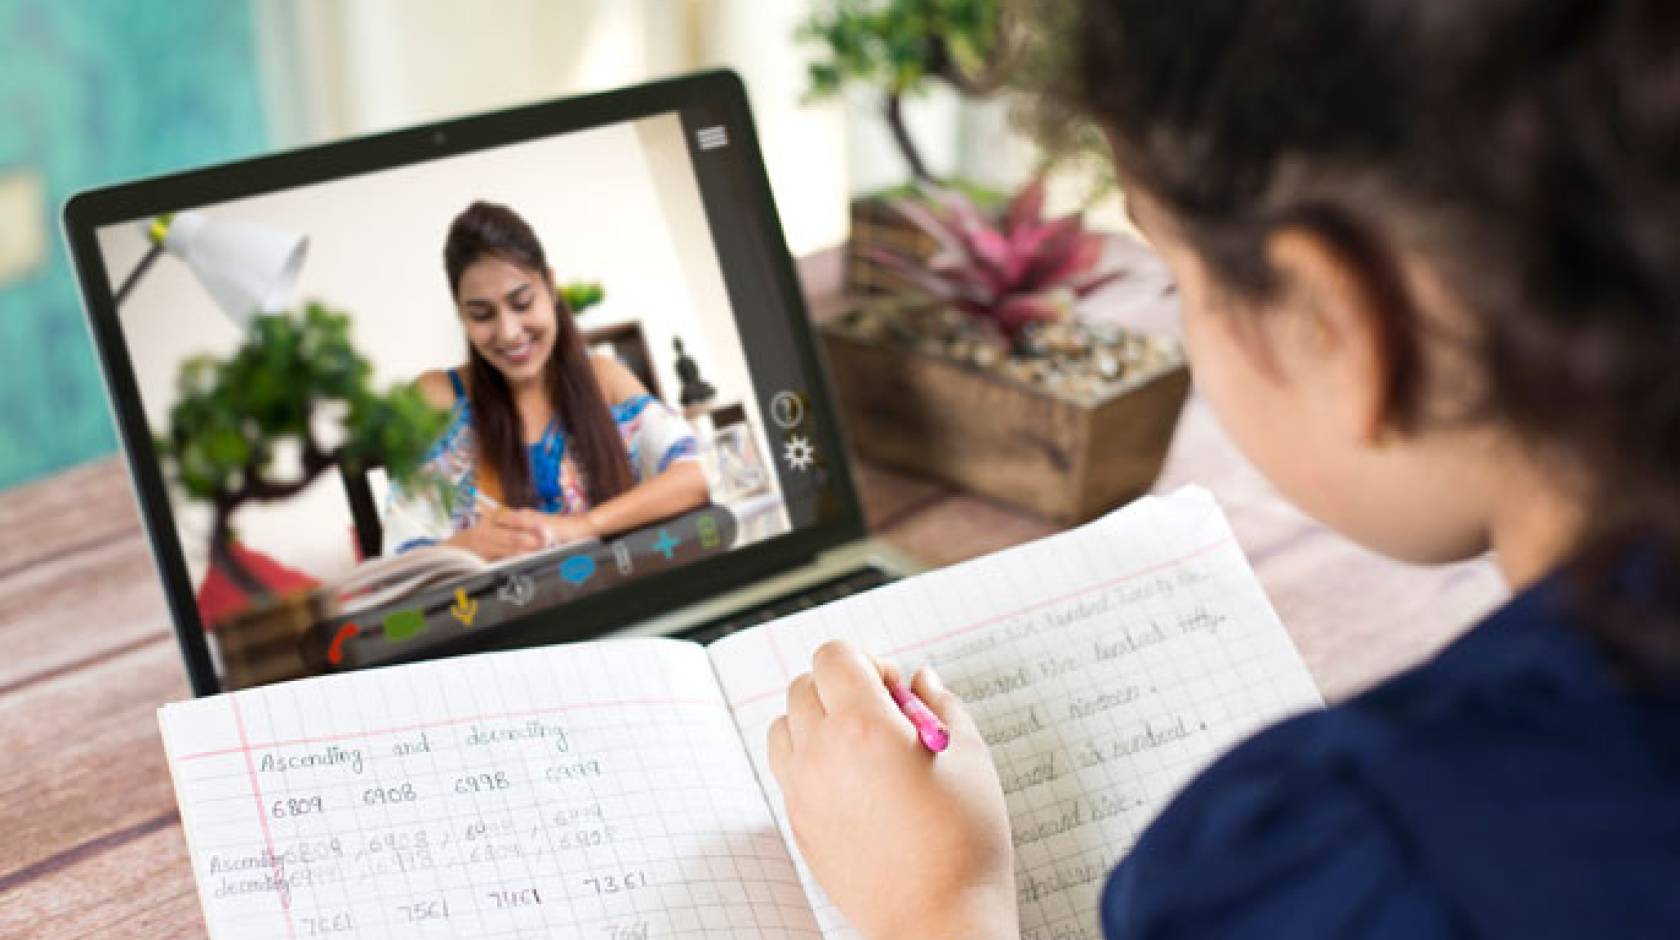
578,568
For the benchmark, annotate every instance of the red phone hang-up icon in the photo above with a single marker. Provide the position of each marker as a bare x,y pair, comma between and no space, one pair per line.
335,651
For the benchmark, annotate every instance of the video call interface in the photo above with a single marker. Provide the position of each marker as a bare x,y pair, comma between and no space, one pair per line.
394,412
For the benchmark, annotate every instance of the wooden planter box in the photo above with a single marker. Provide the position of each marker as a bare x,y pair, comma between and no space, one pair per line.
877,225
264,644
1066,461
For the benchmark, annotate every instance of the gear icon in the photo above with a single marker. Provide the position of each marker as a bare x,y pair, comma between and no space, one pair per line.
799,453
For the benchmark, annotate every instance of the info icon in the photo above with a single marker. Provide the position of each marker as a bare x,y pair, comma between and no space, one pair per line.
787,410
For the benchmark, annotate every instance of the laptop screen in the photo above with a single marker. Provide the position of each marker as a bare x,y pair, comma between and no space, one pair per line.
399,412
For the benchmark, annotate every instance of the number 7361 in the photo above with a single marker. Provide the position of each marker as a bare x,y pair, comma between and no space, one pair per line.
615,883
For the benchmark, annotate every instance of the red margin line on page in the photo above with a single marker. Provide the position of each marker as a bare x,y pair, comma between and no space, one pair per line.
262,818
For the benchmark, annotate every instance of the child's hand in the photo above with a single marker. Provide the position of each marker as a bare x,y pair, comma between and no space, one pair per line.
906,843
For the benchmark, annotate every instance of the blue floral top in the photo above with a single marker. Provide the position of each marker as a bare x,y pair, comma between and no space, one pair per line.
444,497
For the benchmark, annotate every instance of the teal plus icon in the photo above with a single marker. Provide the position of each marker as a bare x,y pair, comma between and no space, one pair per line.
667,544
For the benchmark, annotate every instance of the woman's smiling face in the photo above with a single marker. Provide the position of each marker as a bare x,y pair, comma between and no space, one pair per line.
509,317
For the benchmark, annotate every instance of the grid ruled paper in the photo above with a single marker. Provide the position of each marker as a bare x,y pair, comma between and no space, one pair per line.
1105,666
596,791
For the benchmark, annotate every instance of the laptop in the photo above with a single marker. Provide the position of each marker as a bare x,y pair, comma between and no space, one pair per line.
265,327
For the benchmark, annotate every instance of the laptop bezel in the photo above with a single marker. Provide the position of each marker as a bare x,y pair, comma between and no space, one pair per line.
88,211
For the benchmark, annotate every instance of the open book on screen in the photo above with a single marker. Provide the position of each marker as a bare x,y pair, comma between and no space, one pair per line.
619,789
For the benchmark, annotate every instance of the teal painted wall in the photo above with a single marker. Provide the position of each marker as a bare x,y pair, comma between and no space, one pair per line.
95,92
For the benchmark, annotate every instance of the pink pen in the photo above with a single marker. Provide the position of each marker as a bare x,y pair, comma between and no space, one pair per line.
928,726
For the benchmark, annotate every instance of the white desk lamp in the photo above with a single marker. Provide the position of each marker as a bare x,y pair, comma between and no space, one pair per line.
249,269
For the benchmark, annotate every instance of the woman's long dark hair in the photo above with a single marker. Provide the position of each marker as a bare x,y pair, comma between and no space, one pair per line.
593,442
1529,150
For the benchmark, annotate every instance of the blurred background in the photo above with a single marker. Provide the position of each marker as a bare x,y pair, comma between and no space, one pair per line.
101,91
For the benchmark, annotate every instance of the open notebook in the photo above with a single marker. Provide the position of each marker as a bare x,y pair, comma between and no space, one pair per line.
619,789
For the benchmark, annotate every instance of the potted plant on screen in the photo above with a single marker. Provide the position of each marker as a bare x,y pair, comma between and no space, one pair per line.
293,402
581,295
988,376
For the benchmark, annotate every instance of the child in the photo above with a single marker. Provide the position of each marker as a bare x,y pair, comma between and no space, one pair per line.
1429,253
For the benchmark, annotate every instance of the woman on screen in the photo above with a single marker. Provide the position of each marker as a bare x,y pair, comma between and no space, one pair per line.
546,443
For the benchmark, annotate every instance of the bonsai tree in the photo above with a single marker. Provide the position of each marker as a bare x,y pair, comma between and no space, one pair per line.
294,379
899,45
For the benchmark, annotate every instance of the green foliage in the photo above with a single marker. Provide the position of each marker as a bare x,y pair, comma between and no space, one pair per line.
394,429
978,47
983,196
581,295
291,374
896,45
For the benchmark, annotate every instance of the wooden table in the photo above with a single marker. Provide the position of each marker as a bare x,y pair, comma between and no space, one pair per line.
90,840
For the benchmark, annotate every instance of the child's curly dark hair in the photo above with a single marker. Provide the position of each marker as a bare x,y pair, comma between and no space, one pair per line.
1527,150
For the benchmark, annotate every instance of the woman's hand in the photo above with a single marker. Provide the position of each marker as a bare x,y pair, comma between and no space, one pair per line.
680,488
906,843
502,534
556,528
565,528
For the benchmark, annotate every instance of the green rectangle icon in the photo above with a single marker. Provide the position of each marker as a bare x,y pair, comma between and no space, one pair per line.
403,624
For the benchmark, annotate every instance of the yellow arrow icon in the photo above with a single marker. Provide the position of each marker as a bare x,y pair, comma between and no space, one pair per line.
465,608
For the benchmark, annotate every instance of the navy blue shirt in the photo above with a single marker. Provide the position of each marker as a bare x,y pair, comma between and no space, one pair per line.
1514,786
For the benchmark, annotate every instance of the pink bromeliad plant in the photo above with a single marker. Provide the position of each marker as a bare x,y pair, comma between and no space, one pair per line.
1009,270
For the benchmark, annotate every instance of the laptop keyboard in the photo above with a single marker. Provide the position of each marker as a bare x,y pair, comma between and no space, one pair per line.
814,596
